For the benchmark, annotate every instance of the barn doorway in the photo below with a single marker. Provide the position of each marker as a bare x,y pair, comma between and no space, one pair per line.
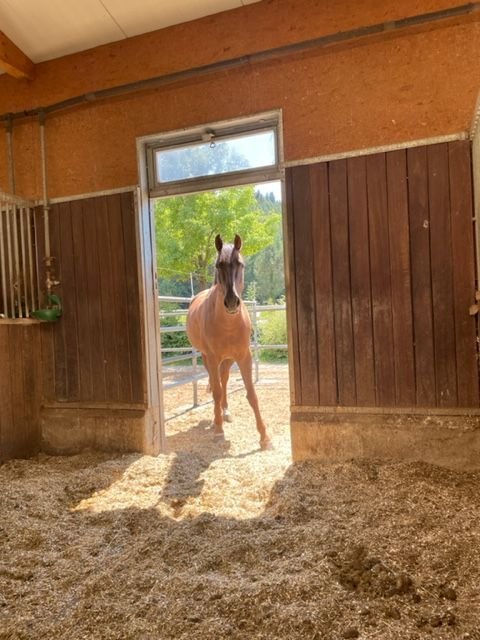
222,178
185,230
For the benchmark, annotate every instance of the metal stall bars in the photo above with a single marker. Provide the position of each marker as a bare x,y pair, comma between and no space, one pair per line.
19,286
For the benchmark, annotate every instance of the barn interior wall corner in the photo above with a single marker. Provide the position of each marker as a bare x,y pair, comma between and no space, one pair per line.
475,126
475,136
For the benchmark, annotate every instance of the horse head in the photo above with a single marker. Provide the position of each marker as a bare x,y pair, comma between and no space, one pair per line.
229,272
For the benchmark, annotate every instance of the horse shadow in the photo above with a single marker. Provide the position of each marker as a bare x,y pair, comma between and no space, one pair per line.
194,451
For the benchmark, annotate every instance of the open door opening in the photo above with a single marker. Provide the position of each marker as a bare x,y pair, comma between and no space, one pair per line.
223,179
185,228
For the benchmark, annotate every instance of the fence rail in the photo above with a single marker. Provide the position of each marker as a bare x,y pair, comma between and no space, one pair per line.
182,354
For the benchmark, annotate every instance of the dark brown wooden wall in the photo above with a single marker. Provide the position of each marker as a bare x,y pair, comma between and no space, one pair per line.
382,278
20,380
96,347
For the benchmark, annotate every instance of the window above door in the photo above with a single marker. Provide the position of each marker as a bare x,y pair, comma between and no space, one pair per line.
214,156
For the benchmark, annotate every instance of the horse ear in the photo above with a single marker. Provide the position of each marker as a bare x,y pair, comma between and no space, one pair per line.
218,242
237,242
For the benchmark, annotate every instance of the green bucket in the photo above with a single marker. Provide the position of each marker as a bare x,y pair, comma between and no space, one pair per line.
51,313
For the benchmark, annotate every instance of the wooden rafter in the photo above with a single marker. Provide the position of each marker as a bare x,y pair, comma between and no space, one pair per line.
13,60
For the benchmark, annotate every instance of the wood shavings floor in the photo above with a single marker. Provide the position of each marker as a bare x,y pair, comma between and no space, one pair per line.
216,541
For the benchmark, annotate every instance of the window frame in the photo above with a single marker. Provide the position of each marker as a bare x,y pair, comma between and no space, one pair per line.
222,132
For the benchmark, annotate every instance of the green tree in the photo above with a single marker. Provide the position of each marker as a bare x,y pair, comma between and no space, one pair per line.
186,227
173,286
266,268
273,330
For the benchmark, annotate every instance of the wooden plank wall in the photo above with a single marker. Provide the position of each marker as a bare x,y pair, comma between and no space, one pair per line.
96,348
382,261
20,380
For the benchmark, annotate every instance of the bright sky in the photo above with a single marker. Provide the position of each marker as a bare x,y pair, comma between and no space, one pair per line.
259,149
255,150
270,187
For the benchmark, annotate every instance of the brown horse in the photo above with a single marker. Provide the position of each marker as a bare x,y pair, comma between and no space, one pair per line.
218,325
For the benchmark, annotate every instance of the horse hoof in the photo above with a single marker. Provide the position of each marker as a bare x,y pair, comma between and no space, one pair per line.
219,437
266,445
227,416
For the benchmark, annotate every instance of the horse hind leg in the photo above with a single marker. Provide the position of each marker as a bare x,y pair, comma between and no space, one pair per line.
224,375
205,364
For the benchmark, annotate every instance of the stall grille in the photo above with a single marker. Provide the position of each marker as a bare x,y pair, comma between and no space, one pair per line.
19,286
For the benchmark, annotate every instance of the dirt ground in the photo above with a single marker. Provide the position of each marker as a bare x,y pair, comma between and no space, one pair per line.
224,541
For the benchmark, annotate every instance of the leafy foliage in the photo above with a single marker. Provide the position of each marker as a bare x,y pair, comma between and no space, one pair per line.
176,339
186,227
265,270
273,330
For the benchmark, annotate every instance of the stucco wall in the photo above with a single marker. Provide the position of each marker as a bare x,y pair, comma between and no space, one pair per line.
413,85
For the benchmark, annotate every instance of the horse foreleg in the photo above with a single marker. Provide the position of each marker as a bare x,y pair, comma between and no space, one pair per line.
245,366
224,375
216,387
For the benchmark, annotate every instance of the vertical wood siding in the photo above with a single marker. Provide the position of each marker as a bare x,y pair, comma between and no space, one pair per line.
97,344
20,349
382,254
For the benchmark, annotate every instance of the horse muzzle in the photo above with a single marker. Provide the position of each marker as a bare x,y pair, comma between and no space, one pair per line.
232,304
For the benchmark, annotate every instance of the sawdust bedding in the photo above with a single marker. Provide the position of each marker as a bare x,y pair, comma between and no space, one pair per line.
225,541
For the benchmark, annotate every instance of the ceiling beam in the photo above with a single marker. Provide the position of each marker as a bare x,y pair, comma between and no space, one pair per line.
13,60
